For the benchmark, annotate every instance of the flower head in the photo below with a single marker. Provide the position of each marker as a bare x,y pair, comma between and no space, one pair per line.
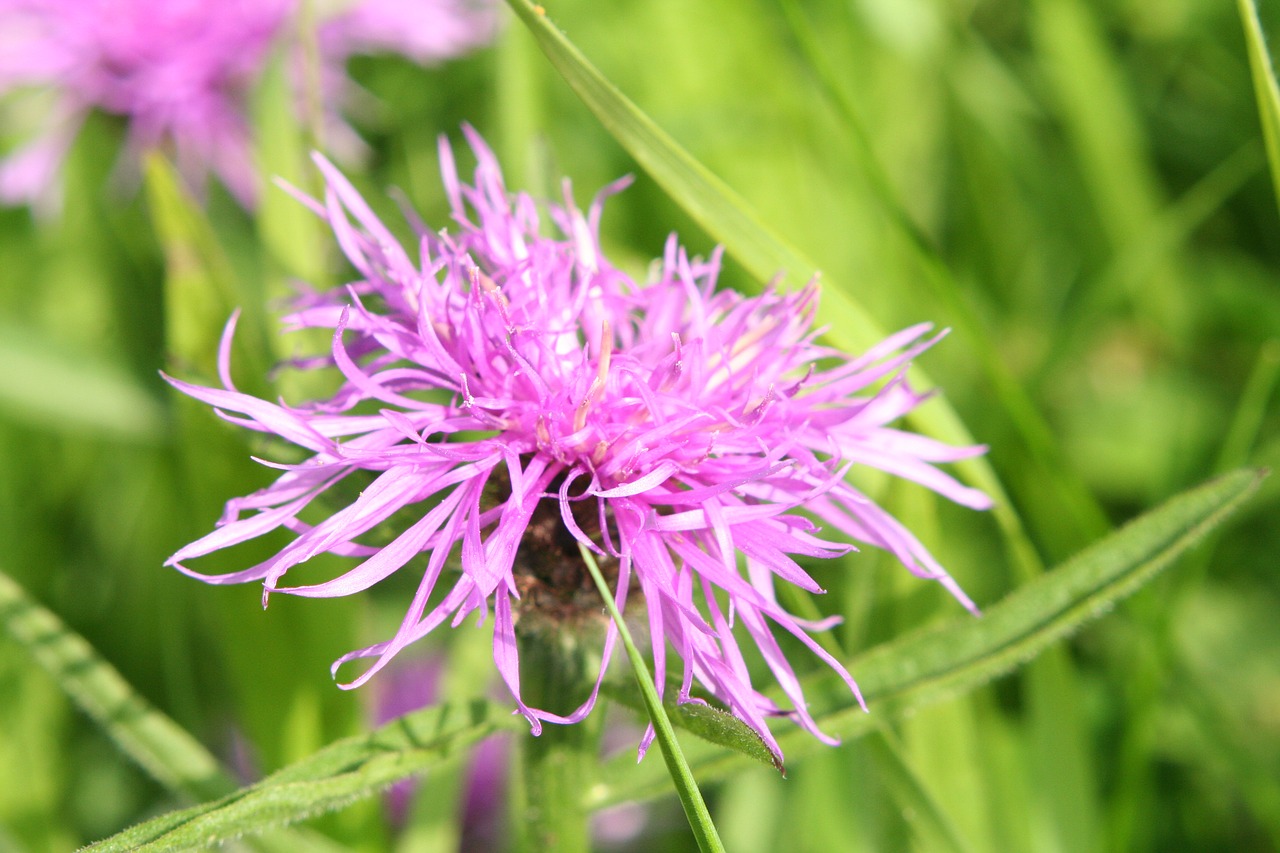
524,397
180,71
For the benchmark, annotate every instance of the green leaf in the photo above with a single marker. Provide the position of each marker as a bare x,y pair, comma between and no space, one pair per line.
325,781
933,664
201,285
159,745
1264,86
295,238
921,810
708,722
156,743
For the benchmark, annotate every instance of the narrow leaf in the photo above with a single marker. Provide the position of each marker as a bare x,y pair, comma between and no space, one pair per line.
938,662
201,285
156,743
925,815
292,234
1264,86
708,722
325,781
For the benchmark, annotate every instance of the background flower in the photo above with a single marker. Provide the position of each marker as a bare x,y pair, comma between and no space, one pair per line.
527,396
181,71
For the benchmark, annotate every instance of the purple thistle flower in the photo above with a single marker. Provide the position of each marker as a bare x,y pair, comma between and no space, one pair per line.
521,396
180,72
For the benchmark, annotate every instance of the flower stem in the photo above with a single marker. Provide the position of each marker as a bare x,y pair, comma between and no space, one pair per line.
556,767
695,808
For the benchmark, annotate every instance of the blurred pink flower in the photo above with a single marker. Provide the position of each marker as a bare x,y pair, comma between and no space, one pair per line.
411,686
425,31
518,396
180,72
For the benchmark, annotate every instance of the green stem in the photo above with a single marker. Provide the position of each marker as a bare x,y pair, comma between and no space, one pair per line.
557,766
695,808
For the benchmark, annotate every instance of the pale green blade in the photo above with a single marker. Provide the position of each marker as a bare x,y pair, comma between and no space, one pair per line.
296,240
201,285
923,812
1264,86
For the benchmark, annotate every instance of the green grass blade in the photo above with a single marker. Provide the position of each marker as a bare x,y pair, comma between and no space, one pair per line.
1093,100
159,745
152,740
1264,86
695,808
325,781
931,824
201,284
729,219
1246,424
931,665
293,236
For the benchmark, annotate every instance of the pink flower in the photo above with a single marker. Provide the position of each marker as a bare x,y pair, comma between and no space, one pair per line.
426,32
518,396
180,72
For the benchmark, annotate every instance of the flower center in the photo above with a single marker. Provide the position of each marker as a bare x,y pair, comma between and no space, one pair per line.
555,588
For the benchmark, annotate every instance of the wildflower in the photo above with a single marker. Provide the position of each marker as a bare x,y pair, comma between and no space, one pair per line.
180,72
522,397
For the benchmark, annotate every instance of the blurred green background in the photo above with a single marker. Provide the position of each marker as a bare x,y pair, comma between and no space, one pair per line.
1078,188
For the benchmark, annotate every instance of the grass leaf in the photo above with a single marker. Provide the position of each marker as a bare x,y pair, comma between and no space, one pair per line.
159,745
1264,86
